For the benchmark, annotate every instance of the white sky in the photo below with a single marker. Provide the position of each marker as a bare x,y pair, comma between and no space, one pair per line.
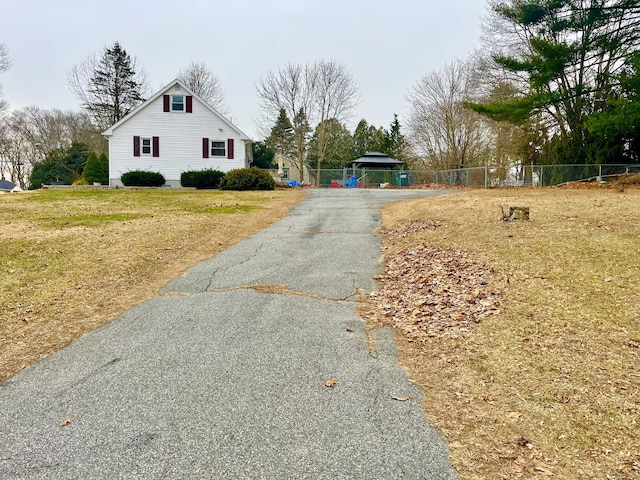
387,46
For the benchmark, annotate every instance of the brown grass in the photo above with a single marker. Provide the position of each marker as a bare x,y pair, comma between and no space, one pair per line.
550,387
74,260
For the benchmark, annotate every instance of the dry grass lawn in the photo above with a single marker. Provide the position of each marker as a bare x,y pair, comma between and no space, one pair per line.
73,260
549,387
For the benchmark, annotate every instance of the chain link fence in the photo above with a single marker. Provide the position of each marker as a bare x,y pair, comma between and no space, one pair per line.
485,177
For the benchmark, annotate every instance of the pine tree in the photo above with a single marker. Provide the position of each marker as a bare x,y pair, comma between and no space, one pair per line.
109,85
94,170
301,130
566,52
281,139
114,86
395,142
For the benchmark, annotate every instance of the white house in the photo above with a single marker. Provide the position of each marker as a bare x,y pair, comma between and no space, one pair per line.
172,132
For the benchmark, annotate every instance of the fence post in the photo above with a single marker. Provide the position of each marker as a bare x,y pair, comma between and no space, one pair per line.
486,176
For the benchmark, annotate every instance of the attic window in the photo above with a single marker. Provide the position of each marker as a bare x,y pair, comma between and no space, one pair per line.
177,103
177,88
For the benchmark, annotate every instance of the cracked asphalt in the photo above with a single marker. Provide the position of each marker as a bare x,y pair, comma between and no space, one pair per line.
222,376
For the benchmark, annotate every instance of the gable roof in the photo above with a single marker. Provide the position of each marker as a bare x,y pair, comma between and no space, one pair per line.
375,159
109,131
7,185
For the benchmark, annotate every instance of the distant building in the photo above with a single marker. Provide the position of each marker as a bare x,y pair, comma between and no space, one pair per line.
289,169
9,187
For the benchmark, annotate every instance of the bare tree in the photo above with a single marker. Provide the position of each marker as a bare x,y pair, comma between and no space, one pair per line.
289,88
204,84
336,95
5,61
310,94
28,135
109,84
5,64
442,130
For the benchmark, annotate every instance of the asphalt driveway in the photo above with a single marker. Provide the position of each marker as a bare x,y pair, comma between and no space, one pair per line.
223,375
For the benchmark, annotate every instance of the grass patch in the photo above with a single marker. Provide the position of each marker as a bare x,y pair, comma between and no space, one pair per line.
86,220
550,387
214,209
72,260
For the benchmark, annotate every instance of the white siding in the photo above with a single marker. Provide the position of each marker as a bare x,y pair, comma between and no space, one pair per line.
180,142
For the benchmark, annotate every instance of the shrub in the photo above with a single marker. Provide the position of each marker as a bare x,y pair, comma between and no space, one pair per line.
201,178
63,165
96,169
142,178
248,179
80,181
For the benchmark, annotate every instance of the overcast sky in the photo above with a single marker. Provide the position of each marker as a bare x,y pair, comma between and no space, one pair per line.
386,45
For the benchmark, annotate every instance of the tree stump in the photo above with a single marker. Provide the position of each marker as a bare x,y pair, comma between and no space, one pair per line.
516,213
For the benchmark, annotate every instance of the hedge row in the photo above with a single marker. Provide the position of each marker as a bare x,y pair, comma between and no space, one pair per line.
201,178
240,179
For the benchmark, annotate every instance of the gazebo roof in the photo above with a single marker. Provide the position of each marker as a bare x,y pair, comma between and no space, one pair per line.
375,159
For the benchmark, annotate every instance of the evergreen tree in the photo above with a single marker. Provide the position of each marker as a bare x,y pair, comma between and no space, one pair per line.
621,119
301,130
367,138
61,165
338,144
109,85
262,156
565,53
114,87
95,171
395,143
282,138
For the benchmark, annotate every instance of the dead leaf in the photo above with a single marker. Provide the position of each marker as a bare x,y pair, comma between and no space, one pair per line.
65,422
401,399
331,383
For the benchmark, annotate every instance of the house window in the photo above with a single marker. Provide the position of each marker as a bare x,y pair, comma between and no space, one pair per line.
145,146
218,149
177,103
285,173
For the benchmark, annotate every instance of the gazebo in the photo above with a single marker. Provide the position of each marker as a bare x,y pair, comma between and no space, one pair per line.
375,160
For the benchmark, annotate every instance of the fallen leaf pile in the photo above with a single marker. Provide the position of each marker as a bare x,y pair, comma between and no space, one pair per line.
433,292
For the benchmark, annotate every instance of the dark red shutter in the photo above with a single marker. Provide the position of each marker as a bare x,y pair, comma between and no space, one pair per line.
165,102
205,148
156,146
136,146
189,104
230,149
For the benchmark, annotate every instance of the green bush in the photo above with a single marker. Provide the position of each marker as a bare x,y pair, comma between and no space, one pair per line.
142,178
201,178
62,165
248,179
96,169
80,181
